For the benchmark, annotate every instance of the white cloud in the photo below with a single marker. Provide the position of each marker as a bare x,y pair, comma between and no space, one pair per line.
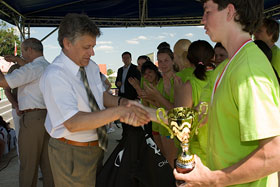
160,37
49,46
189,34
133,41
167,34
142,38
104,48
103,42
171,35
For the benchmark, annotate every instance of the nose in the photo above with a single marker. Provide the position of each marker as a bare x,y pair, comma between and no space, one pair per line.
92,52
203,20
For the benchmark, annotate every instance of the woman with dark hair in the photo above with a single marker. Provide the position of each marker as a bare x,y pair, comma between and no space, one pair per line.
200,55
138,86
220,53
162,95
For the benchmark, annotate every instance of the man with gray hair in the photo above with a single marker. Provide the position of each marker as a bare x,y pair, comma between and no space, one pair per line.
75,99
33,138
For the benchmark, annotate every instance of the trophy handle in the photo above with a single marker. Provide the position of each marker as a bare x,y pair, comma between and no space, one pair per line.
162,123
203,104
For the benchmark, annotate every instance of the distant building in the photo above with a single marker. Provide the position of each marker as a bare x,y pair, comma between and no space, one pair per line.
153,58
103,68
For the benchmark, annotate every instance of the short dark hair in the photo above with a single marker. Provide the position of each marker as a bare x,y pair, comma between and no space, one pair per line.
219,44
166,51
126,53
200,54
163,45
150,65
145,57
272,28
249,12
73,26
34,44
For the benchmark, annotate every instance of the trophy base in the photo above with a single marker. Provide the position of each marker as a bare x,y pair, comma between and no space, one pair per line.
183,166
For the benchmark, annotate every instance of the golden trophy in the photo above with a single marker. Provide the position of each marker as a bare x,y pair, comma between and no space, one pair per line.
183,123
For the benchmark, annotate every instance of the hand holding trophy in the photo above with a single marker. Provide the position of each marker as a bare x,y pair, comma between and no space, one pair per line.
183,123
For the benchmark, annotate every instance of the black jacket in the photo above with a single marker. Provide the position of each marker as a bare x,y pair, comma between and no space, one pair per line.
129,91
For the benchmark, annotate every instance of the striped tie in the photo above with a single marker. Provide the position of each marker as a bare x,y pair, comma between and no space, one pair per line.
101,131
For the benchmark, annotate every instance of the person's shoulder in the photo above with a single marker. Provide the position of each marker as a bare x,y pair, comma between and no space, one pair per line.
133,66
54,70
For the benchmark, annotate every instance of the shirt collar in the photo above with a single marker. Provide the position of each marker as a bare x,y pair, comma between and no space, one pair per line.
127,66
39,59
70,65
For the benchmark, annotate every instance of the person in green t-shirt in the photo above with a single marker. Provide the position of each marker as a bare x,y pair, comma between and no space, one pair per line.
163,96
269,33
220,53
138,86
244,127
200,55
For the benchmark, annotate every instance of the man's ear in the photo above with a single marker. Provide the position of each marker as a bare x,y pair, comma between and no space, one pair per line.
66,43
231,12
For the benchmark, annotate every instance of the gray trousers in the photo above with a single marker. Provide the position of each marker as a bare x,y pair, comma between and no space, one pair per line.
33,150
74,165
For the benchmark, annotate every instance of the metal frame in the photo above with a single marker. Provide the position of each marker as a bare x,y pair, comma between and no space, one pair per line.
24,22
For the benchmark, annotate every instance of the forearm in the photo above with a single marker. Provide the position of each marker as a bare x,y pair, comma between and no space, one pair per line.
183,95
164,102
110,100
153,115
3,82
137,88
82,121
260,163
20,61
10,97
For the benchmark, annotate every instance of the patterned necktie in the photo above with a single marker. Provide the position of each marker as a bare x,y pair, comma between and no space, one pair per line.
101,131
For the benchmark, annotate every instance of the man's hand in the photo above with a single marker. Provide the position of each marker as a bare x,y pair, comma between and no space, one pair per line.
19,113
134,114
10,58
118,84
134,82
199,176
17,59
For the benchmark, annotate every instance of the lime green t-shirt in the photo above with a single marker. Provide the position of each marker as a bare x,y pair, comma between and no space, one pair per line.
199,143
276,59
207,90
185,74
170,97
245,109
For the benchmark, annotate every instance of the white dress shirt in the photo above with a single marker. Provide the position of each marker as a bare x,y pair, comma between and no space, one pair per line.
27,78
124,74
65,95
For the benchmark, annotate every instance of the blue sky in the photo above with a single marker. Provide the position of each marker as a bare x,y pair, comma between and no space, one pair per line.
114,41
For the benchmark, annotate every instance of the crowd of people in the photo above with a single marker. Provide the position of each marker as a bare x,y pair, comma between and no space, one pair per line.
62,108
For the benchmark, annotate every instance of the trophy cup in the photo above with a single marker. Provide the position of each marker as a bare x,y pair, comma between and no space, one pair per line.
183,123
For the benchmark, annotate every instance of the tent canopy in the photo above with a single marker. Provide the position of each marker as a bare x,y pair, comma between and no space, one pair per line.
111,13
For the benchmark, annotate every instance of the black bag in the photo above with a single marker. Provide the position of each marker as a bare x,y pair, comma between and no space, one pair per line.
136,162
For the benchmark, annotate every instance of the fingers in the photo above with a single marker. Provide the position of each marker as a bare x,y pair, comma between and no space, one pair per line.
135,114
178,176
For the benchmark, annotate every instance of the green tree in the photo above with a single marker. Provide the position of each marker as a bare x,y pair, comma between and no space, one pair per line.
7,40
109,72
